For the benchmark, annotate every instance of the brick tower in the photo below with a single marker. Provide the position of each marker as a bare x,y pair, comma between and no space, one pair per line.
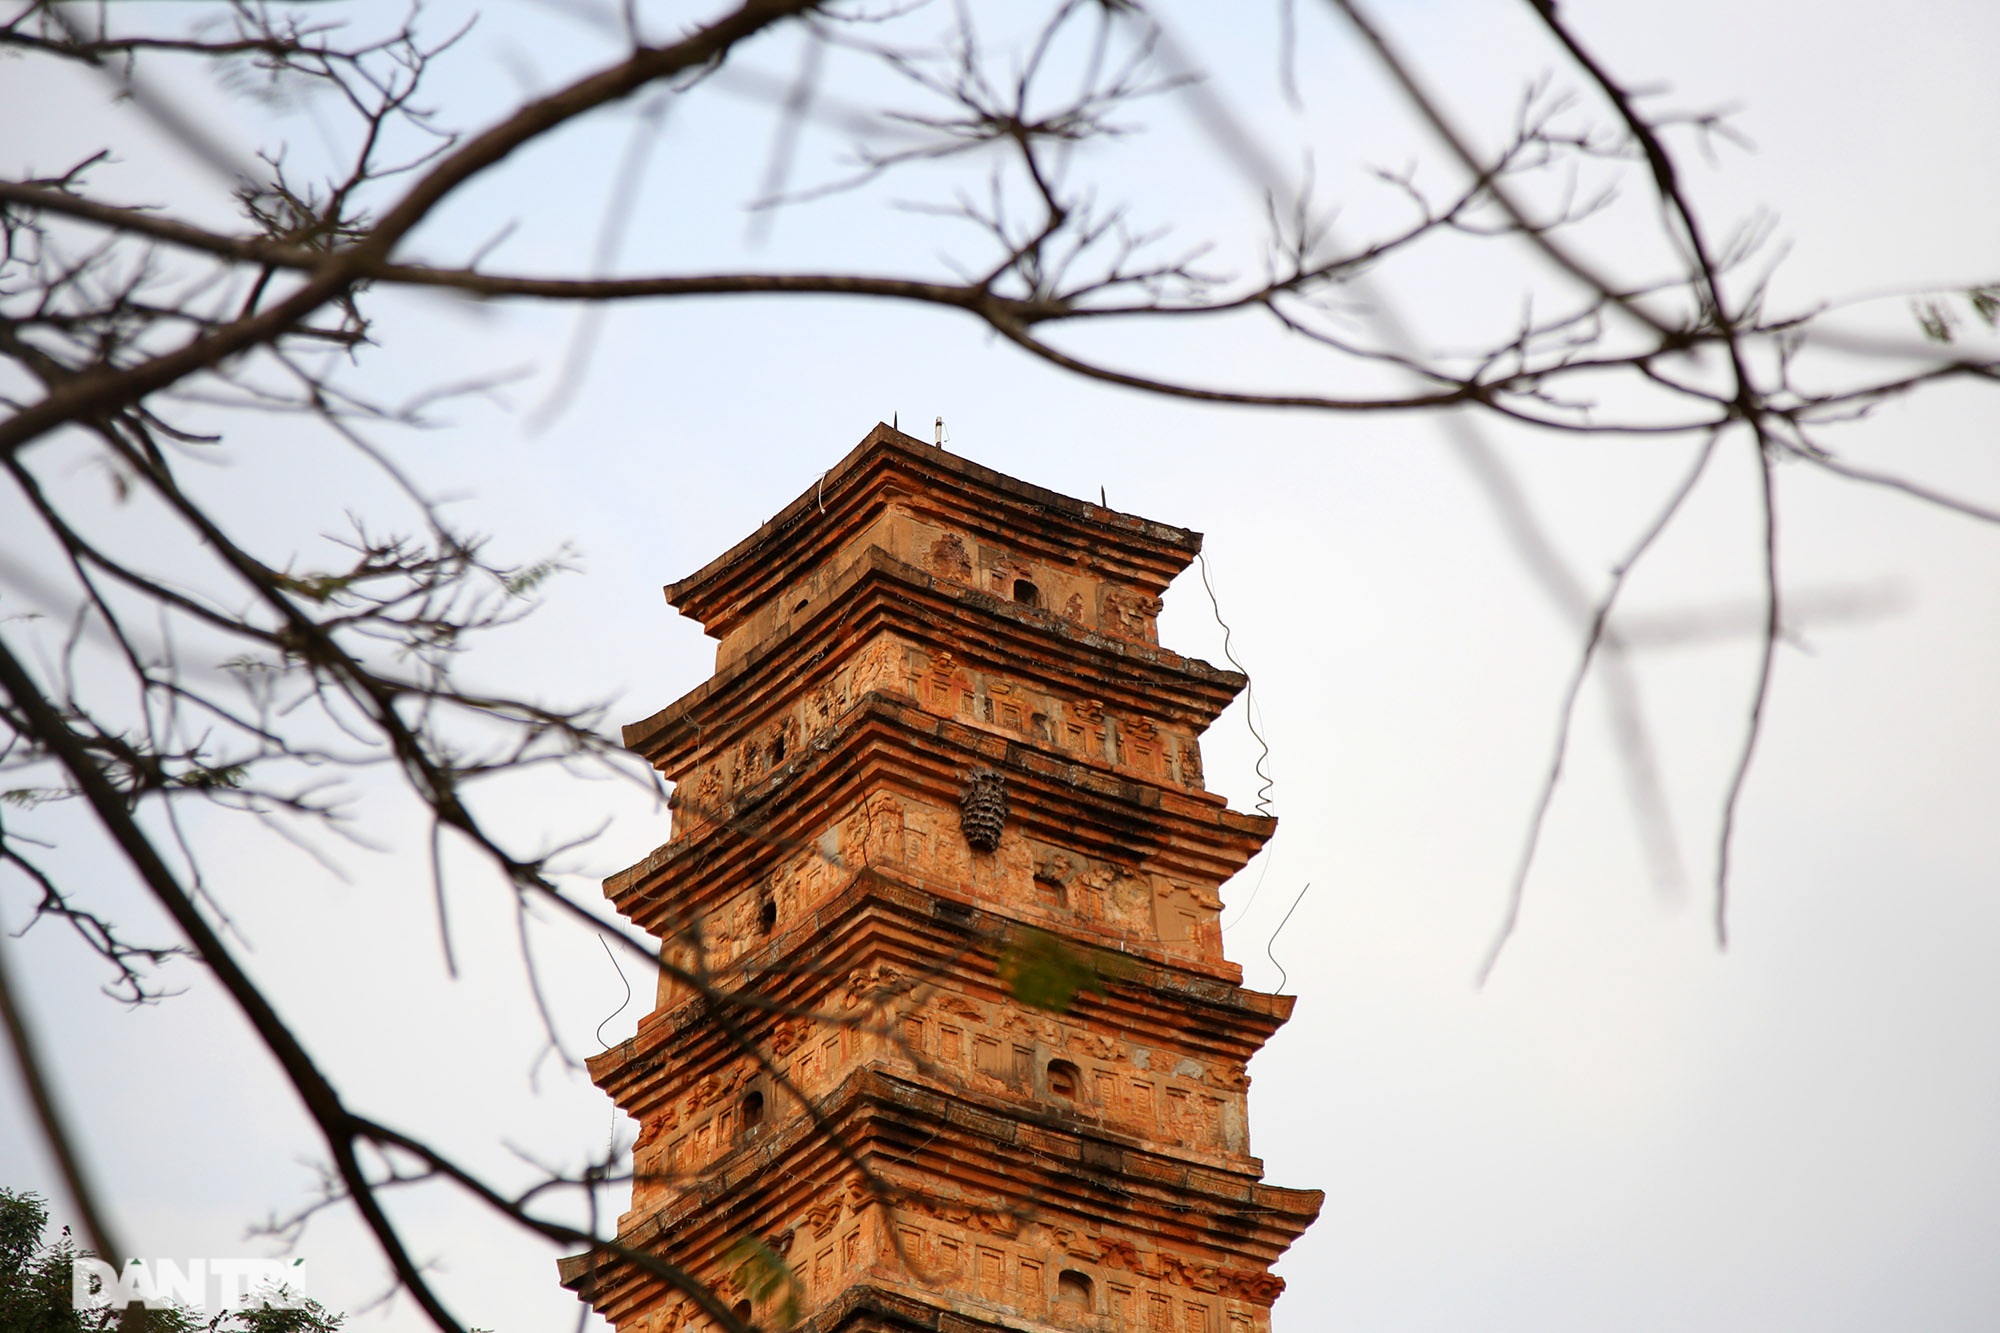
940,811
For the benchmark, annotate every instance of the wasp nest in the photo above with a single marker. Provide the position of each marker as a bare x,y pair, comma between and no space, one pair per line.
982,811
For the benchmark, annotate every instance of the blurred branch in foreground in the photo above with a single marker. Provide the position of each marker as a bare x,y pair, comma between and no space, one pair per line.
197,668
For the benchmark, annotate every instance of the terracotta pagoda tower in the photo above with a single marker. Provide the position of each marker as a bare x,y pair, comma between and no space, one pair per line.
939,827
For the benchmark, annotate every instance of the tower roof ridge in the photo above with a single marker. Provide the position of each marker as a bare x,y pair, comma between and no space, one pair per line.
741,579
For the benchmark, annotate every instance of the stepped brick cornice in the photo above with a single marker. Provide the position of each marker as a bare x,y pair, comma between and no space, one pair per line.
803,541
881,595
947,1164
812,821
896,961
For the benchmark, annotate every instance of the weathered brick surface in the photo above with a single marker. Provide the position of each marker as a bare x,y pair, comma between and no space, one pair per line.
923,1148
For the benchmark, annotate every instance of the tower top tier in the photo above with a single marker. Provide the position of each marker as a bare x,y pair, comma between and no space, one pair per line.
965,524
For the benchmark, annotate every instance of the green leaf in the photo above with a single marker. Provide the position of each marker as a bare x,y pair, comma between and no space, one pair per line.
764,1276
1042,970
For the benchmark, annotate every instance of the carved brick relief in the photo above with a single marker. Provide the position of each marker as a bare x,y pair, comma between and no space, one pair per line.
948,559
1134,742
1007,1262
1003,1051
1126,614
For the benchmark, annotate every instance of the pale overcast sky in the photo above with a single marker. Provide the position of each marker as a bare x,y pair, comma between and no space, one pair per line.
1626,1129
